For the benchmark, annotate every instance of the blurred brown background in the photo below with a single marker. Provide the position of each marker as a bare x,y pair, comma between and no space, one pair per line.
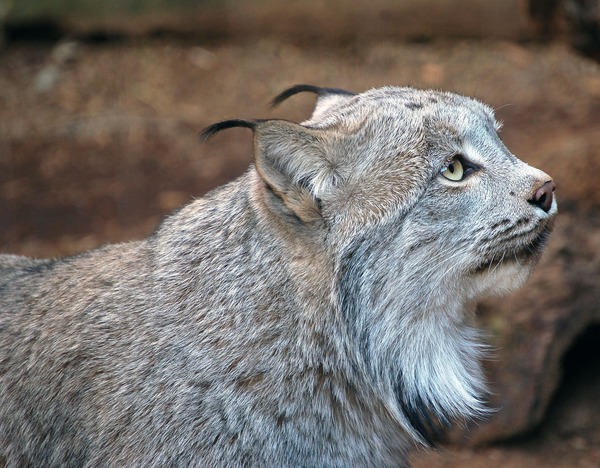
102,102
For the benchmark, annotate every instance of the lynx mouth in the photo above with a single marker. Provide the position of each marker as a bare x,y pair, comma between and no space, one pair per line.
524,253
538,244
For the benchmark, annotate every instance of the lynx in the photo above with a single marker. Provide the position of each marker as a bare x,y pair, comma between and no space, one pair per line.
317,311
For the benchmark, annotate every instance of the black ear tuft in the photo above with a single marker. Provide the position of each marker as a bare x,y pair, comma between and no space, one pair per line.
301,88
208,132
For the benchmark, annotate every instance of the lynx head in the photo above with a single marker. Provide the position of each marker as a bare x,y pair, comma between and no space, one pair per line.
424,211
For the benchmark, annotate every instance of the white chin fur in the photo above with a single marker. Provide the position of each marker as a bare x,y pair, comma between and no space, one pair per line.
501,279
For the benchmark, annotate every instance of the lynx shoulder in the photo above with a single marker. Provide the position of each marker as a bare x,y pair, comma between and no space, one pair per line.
316,311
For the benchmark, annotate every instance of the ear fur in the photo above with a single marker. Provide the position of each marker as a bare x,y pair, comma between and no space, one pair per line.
326,97
294,161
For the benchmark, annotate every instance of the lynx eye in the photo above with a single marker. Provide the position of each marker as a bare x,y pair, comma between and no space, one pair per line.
455,170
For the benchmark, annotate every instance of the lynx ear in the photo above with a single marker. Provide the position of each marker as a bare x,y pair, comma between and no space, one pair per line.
326,97
296,163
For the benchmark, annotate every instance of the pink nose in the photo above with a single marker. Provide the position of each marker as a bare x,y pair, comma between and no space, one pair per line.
544,195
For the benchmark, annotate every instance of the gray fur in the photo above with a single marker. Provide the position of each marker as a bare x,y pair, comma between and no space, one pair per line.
314,312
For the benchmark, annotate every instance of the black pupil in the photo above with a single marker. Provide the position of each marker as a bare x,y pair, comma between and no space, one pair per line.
451,167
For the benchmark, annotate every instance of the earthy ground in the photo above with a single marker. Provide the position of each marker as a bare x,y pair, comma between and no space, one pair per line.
99,141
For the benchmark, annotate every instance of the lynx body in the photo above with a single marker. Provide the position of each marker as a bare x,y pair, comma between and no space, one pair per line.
314,312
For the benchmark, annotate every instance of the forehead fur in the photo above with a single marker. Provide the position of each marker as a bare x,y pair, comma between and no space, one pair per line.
349,113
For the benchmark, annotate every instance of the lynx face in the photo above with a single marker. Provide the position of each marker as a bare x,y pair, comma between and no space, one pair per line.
484,216
464,207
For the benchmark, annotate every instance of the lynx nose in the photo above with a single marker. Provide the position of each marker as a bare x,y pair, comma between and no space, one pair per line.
543,196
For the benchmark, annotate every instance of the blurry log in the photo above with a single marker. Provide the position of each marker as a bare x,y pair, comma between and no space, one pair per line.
307,20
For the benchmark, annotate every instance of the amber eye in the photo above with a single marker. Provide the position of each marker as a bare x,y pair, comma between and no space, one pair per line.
454,171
